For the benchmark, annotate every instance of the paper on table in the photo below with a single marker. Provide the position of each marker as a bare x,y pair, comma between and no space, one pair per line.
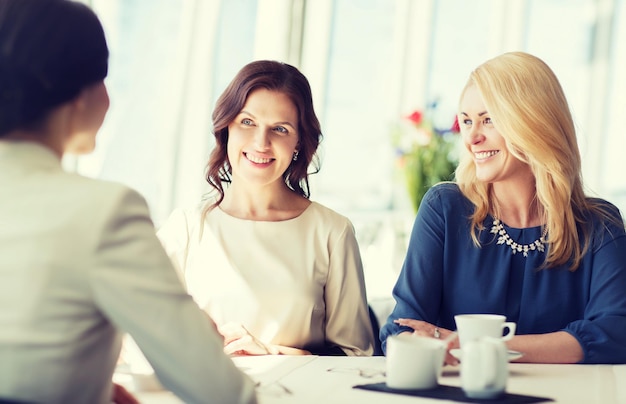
265,369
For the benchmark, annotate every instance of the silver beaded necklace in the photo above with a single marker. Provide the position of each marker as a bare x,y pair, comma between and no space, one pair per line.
504,238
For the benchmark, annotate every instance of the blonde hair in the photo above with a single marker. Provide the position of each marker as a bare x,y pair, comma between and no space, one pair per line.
528,108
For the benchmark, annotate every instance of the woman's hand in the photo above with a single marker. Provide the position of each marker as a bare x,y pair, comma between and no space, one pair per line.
424,329
239,341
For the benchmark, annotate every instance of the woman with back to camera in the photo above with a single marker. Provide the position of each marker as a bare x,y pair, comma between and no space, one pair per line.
279,274
516,235
79,258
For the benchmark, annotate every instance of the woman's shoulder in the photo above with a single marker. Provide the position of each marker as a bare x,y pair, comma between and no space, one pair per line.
445,189
446,196
328,225
604,215
117,204
187,218
102,192
321,216
320,211
605,206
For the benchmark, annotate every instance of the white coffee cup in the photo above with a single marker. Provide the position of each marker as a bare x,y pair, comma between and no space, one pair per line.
484,368
414,362
474,326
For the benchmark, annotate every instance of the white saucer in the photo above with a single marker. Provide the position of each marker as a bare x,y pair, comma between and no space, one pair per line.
513,355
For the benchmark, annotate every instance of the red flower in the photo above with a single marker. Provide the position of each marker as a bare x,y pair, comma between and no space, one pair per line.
416,117
456,128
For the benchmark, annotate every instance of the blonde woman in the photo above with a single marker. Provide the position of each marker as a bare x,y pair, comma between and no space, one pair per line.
516,235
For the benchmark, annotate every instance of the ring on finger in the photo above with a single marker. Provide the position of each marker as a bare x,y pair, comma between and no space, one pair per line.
436,333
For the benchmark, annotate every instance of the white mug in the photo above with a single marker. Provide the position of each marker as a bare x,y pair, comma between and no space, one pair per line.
473,326
484,368
414,362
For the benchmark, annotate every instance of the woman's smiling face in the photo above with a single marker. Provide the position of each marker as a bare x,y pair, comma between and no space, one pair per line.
263,137
492,158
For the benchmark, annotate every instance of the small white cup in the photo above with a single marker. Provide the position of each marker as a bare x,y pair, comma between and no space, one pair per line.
414,362
484,368
473,326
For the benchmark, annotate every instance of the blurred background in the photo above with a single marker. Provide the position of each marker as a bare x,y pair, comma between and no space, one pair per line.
371,63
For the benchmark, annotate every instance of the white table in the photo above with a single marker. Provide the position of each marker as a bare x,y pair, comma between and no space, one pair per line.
306,380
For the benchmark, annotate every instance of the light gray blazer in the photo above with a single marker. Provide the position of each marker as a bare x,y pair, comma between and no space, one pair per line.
80,261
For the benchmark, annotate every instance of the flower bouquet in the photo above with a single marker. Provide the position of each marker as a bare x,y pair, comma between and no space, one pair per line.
425,154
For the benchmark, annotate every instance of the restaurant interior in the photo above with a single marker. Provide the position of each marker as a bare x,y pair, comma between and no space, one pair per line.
371,64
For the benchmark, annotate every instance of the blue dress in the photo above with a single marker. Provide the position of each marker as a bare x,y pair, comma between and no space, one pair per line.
445,274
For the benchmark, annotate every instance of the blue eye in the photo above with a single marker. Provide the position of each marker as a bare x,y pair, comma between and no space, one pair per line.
281,129
247,121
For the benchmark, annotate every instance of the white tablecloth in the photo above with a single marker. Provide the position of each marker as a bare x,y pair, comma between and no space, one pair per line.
308,380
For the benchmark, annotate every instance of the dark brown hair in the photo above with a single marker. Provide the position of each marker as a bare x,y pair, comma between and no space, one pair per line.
50,50
273,76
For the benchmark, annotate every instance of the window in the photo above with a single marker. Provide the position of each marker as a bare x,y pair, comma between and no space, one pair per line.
369,63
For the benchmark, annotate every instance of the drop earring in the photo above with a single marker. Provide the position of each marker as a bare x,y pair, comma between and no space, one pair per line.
295,155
